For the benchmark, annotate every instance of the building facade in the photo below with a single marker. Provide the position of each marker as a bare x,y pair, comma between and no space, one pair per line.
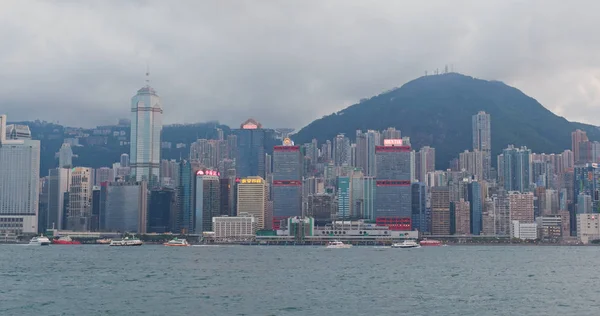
146,128
19,179
287,180
126,207
521,207
207,202
393,192
482,141
234,228
252,199
80,199
250,141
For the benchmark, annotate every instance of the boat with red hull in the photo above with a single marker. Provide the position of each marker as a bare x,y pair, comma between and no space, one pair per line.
66,240
430,242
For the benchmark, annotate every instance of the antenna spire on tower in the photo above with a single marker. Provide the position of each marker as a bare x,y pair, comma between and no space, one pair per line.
147,74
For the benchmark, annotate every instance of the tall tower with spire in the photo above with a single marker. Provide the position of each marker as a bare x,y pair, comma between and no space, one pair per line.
146,127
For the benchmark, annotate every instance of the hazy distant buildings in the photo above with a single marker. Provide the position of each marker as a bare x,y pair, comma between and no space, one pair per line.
146,127
577,137
424,163
104,174
65,156
19,179
341,150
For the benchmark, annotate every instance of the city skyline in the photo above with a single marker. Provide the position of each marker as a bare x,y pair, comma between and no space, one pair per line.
242,72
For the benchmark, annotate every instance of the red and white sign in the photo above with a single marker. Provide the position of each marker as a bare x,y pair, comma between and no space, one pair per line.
392,142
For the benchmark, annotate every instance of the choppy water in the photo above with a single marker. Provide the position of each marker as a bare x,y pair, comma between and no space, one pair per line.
242,280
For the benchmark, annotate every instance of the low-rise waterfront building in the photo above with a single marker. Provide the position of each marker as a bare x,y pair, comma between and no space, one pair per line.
234,228
524,231
588,227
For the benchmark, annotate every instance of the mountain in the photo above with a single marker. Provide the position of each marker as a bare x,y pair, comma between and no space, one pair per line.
437,110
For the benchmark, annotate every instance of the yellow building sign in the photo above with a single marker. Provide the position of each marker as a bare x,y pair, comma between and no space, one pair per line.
251,181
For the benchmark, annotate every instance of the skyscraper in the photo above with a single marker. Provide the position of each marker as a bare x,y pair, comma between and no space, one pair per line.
473,163
344,200
250,149
578,136
440,211
475,207
420,218
521,207
59,181
482,140
126,207
393,193
424,163
516,168
287,180
252,199
462,218
341,150
19,179
146,127
207,200
391,133
80,199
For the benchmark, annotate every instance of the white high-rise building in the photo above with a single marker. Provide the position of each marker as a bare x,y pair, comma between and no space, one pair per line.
65,156
482,140
19,179
146,126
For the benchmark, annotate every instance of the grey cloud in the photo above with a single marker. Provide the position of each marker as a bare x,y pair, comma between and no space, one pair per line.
284,63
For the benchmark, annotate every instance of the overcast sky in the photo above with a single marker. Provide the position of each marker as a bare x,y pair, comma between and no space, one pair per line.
284,63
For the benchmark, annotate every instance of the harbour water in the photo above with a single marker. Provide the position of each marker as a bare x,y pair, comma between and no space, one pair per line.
269,280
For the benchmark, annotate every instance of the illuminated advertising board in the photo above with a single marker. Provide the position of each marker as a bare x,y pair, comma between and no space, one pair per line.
207,173
251,181
392,142
249,126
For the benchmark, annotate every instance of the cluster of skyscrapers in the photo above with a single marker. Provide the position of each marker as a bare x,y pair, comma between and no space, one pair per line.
259,173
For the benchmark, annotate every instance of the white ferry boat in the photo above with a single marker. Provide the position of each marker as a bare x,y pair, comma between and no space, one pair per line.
126,242
406,244
336,244
177,243
39,241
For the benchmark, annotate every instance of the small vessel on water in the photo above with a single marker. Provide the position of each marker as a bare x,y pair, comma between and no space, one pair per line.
103,241
336,244
430,242
177,243
40,241
66,240
125,242
406,244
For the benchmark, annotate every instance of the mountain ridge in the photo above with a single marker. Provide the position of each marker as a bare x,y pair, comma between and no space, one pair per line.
436,111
